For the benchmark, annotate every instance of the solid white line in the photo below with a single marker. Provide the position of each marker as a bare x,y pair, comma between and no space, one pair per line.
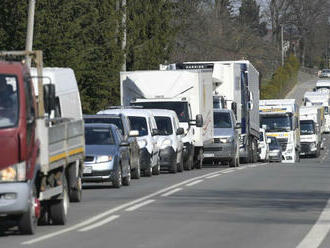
193,183
113,210
228,171
137,206
171,192
319,231
216,175
101,223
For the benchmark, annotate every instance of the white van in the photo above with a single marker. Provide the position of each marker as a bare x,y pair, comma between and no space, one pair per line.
143,121
68,104
169,140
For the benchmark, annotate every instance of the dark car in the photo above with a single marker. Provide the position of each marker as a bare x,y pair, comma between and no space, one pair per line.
275,150
129,136
107,155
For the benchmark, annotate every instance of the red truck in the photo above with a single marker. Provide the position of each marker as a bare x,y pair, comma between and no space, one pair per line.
41,159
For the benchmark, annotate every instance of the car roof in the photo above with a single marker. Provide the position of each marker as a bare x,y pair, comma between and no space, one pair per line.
222,110
163,112
128,112
101,125
102,116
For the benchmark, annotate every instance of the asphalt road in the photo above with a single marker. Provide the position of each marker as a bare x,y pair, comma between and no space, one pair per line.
252,206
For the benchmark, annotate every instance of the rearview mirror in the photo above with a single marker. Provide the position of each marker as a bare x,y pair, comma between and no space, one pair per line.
180,131
49,97
133,133
154,132
199,120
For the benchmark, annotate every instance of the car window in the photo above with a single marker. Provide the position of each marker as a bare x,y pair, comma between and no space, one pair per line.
222,120
140,124
99,136
115,120
164,125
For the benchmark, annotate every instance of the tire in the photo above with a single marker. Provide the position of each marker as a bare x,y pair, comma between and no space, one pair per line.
188,165
136,173
199,162
59,209
232,162
76,193
174,168
180,165
127,179
156,169
28,221
117,180
148,172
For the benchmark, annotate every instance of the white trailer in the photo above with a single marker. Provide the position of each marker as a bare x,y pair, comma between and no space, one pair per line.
319,99
188,93
281,119
310,130
236,88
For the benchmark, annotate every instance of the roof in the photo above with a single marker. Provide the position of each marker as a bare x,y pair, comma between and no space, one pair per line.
102,116
163,112
127,112
101,125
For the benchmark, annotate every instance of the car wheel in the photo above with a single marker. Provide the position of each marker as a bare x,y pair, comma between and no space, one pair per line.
180,165
59,209
136,173
117,180
28,221
189,163
232,162
156,170
127,179
148,172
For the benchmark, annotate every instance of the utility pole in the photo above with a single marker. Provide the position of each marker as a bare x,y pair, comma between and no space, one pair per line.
282,45
29,33
123,45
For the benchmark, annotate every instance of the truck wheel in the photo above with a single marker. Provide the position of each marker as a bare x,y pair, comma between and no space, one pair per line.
174,168
199,162
127,179
180,165
28,221
59,209
189,163
148,171
117,179
136,173
232,163
156,169
76,193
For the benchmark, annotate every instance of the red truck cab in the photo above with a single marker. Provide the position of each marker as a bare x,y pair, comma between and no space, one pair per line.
18,143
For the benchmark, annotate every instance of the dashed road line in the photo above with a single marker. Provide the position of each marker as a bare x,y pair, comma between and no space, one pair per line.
213,176
101,223
193,183
139,205
171,192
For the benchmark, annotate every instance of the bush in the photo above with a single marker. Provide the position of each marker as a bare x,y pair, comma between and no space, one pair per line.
282,81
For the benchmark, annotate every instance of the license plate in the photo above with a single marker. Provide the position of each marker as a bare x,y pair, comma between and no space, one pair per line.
208,155
88,170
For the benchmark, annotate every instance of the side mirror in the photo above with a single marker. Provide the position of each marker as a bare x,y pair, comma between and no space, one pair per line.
199,120
154,132
269,141
124,143
49,97
238,125
180,131
133,133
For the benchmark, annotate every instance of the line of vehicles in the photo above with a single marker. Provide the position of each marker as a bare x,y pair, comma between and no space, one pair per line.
173,119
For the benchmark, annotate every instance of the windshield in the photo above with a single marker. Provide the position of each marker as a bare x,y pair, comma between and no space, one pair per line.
164,125
98,136
307,127
222,120
140,124
8,101
276,123
114,120
180,108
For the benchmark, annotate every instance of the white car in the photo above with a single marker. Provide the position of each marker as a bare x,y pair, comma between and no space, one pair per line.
263,146
169,140
143,121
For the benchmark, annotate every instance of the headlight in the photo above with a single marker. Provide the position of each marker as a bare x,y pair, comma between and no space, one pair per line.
166,143
16,172
142,143
226,140
103,159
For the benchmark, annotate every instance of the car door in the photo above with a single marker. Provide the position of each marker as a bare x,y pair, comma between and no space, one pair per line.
124,150
178,138
155,149
133,145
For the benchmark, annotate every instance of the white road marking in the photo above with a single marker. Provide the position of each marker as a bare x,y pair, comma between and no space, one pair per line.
139,205
101,223
216,175
319,231
228,171
113,210
171,192
193,183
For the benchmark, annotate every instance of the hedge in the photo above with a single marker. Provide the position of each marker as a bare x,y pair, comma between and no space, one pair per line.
282,81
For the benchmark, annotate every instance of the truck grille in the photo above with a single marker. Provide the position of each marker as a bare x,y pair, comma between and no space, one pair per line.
216,140
283,143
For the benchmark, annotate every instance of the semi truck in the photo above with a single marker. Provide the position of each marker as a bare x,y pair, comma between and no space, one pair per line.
38,165
310,130
188,93
319,98
280,118
236,88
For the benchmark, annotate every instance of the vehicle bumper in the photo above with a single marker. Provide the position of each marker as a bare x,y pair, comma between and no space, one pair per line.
19,204
167,158
275,156
100,172
145,159
308,148
220,151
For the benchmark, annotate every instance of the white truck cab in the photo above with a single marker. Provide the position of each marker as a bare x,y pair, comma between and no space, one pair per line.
281,119
144,121
263,146
169,140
